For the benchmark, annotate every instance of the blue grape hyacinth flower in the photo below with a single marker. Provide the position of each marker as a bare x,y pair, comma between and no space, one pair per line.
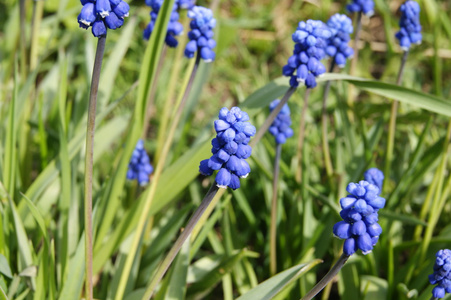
175,28
280,128
340,27
364,6
230,148
410,28
139,167
374,176
310,42
201,34
102,15
442,274
359,227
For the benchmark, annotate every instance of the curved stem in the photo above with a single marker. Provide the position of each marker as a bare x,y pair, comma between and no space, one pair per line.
273,230
272,116
153,187
302,136
392,122
327,278
325,142
164,266
89,163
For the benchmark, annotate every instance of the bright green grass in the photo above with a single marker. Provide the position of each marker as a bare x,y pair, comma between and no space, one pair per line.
42,129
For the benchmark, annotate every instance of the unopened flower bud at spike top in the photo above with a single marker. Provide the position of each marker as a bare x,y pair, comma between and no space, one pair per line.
230,148
102,15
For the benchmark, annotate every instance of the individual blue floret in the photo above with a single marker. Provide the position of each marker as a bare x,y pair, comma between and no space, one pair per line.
310,42
374,176
410,28
201,34
280,128
340,27
359,227
230,148
175,28
364,6
139,167
102,15
442,274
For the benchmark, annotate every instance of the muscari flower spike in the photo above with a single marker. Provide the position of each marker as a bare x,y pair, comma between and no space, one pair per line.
139,166
175,28
374,176
364,6
359,227
280,128
340,27
201,34
230,148
310,41
442,274
102,15
410,28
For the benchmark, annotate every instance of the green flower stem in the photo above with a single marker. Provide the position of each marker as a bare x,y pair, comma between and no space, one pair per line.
392,122
327,278
23,40
325,142
273,230
301,136
153,187
38,9
89,163
272,116
164,266
153,90
355,58
169,101
438,200
358,29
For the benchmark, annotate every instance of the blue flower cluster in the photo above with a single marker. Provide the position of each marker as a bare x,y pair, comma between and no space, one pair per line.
102,14
410,31
174,26
340,27
442,274
280,128
230,148
310,41
201,34
374,176
364,6
139,166
359,227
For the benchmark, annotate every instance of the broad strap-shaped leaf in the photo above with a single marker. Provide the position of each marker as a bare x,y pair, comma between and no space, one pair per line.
272,286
